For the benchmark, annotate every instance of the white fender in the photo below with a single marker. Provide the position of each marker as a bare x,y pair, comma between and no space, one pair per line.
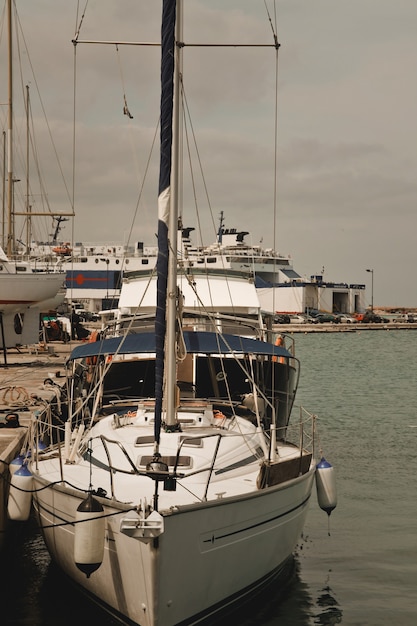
16,463
89,535
326,486
20,494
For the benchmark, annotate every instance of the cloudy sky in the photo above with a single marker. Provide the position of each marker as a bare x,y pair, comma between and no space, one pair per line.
346,138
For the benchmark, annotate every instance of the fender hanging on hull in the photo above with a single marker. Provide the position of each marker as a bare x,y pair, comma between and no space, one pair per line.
326,486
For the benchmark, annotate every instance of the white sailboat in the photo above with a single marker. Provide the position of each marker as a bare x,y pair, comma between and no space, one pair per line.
177,486
22,285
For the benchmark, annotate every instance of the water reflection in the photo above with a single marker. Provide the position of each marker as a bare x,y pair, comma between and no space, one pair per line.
290,605
331,613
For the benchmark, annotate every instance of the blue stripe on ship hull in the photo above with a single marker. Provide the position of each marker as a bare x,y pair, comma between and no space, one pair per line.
93,279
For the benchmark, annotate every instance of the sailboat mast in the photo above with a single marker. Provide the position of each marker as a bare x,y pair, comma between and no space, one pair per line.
165,218
3,204
171,357
28,207
10,235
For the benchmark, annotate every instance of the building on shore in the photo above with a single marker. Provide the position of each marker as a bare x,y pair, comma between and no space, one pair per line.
299,296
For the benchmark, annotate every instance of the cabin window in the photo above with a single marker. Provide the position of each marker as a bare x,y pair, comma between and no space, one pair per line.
145,261
211,259
21,268
215,378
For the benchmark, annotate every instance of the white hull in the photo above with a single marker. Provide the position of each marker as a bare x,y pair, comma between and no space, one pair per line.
20,291
222,530
23,296
231,545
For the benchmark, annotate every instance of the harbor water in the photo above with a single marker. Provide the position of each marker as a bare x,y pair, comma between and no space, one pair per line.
360,569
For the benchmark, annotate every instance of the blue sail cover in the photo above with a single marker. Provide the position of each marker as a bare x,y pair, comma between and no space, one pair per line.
195,342
164,197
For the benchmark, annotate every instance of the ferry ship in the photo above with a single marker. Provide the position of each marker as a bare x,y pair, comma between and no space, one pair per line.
95,272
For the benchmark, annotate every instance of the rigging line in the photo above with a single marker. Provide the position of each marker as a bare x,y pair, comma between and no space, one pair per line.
182,45
275,199
187,110
201,171
74,120
193,178
275,245
33,144
125,107
274,29
148,162
17,20
229,45
77,30
37,162
196,205
74,113
2,21
186,115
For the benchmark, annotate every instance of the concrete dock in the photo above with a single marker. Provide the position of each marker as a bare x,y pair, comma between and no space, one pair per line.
22,392
342,328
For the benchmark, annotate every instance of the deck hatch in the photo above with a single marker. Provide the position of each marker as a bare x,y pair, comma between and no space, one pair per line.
144,441
183,461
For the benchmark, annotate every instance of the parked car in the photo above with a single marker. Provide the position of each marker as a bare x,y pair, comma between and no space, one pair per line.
89,316
281,318
84,315
408,318
78,308
323,318
309,319
344,318
297,319
372,318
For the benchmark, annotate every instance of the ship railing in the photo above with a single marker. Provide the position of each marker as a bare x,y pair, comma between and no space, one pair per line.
48,440
159,474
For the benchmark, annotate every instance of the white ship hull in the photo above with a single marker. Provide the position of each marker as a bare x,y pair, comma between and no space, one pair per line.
20,291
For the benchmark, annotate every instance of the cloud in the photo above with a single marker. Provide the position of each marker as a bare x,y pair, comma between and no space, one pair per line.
346,193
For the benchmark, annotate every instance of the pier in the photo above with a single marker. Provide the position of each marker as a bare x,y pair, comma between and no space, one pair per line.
342,328
23,391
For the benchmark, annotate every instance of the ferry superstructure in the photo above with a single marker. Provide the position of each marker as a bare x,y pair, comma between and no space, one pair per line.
95,272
